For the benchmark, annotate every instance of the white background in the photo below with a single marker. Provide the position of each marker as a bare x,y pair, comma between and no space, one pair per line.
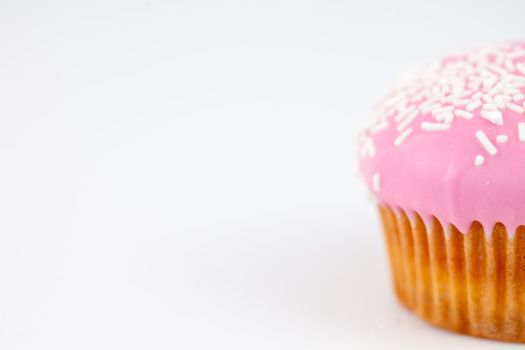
181,175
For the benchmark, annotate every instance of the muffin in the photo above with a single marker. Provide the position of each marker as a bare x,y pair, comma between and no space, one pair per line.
444,157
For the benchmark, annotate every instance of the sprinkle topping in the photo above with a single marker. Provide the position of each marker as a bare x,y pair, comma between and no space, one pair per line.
485,86
448,141
485,142
434,126
402,137
502,138
521,131
479,160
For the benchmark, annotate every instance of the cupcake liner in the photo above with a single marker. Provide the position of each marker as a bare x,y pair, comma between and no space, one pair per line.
471,283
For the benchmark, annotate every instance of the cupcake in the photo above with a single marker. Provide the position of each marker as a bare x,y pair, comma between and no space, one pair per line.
444,157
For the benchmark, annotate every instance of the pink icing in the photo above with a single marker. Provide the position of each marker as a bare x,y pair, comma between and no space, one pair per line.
433,172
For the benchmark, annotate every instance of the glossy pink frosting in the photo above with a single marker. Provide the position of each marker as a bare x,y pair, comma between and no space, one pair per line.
434,173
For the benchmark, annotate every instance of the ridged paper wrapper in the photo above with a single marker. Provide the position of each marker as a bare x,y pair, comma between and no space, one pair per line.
471,283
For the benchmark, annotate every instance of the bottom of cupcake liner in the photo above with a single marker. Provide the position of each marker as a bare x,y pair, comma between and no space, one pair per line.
471,283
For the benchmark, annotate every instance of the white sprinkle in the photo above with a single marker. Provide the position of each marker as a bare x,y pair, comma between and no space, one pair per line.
500,101
517,84
418,96
379,127
477,95
489,82
407,120
518,97
463,114
485,142
472,106
442,110
403,112
461,102
474,86
505,98
495,90
511,91
514,107
459,95
495,117
436,90
376,182
496,69
509,65
427,126
513,77
490,107
395,99
429,108
502,138
429,102
521,131
458,88
500,58
448,117
487,99
521,68
483,72
479,160
402,136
